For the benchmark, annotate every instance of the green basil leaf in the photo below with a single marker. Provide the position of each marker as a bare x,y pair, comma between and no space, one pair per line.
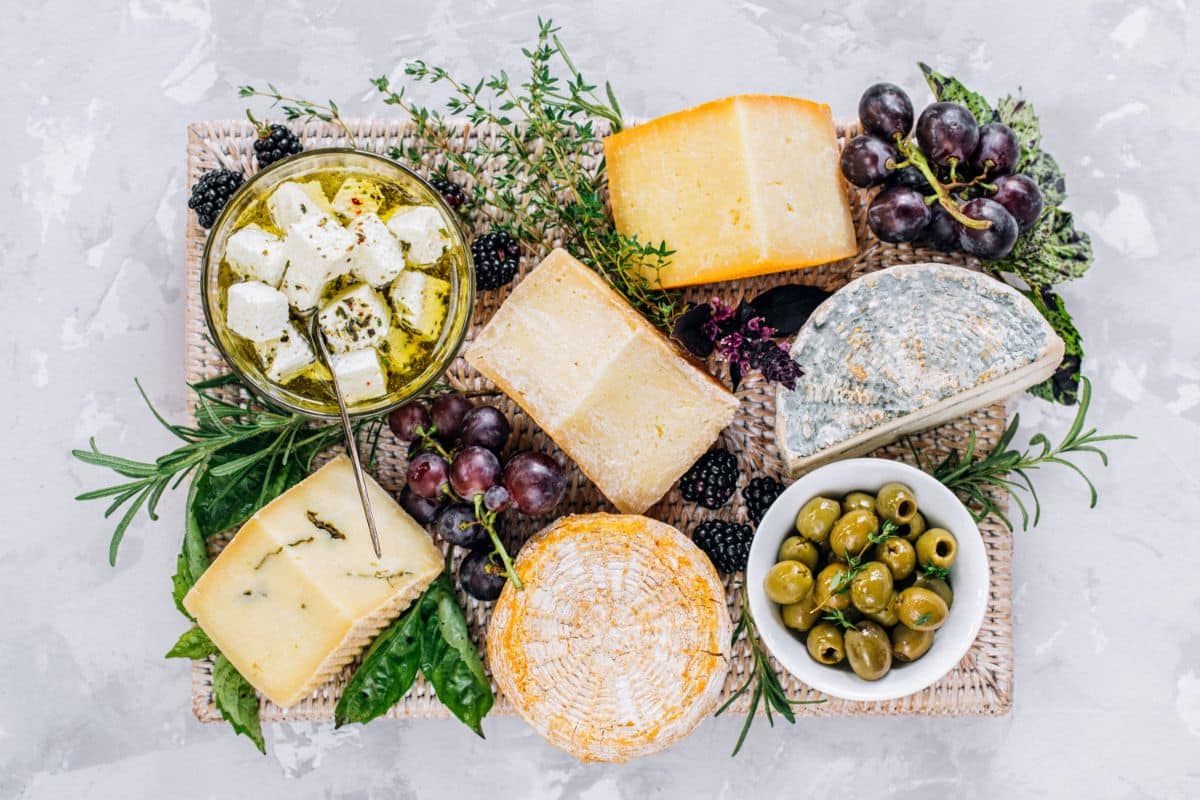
1063,386
237,702
193,555
387,671
194,644
226,502
952,90
1018,114
449,660
1050,252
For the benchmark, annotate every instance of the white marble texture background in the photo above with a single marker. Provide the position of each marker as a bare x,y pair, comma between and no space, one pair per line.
1107,602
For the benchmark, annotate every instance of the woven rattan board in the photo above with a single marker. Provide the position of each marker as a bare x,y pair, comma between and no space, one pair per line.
980,685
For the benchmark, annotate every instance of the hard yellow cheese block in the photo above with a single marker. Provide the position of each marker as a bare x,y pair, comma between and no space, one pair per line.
736,187
614,393
299,591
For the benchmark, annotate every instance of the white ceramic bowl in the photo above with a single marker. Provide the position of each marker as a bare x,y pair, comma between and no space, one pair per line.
968,577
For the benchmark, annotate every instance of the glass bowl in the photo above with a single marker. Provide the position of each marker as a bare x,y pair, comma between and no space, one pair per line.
238,212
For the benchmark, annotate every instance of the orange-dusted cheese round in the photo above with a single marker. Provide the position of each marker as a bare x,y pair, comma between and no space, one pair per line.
618,644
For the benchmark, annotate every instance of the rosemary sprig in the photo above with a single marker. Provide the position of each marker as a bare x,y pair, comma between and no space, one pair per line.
1008,469
296,108
544,134
228,442
762,682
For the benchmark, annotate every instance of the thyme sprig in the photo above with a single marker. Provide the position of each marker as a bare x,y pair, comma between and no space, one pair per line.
1008,469
544,132
762,682
294,108
227,443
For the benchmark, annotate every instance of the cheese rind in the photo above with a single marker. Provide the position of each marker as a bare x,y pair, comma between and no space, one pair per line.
737,187
299,591
615,395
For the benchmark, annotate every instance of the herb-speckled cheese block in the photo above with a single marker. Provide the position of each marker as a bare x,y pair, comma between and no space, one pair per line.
618,644
299,591
736,187
614,394
904,349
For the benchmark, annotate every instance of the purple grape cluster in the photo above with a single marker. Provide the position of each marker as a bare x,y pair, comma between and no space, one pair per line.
952,186
458,484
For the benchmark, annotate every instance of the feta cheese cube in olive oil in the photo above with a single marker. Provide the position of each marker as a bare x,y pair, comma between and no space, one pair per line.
256,311
360,374
355,318
287,357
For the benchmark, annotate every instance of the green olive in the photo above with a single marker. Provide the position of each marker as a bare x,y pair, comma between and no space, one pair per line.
801,616
816,518
913,530
896,502
797,548
826,580
826,644
909,645
851,534
788,582
899,555
937,546
887,616
938,587
868,650
921,609
858,500
871,589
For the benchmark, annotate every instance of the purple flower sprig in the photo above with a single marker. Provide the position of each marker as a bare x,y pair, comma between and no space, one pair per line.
740,337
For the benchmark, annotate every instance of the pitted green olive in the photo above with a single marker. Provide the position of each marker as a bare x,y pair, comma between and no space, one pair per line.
909,645
871,589
896,502
869,650
921,609
827,579
788,582
851,534
797,548
826,644
803,615
899,555
858,500
816,519
886,616
913,530
937,546
938,587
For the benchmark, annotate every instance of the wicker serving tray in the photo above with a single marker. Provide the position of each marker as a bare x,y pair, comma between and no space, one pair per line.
981,684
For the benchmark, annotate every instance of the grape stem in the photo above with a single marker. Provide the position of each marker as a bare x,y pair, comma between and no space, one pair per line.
488,520
427,440
913,155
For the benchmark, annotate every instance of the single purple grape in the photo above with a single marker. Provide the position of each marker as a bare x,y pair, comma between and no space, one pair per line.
998,150
898,214
942,231
427,474
1021,197
457,525
497,499
535,482
865,160
885,111
447,413
422,509
481,576
474,470
405,420
990,243
947,132
486,427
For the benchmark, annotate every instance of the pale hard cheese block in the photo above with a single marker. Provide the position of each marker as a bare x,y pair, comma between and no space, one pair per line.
615,395
255,254
357,196
376,258
423,232
355,318
736,187
360,374
299,591
256,311
288,356
904,349
420,301
292,201
318,250
618,644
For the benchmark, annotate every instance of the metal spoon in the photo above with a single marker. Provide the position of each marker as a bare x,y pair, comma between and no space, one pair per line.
318,339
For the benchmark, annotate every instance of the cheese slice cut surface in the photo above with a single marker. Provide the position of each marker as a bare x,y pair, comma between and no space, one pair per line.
299,591
611,391
742,186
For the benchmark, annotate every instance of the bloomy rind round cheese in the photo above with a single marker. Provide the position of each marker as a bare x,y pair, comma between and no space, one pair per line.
618,644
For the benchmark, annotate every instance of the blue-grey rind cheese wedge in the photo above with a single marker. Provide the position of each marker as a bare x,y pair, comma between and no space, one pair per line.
902,350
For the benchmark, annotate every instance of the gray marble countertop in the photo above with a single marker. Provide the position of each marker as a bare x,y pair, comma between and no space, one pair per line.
1107,602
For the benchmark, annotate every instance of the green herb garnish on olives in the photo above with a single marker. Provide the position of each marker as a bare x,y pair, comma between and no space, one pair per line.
881,585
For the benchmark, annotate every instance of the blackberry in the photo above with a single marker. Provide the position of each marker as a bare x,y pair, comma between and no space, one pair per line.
497,256
727,544
212,192
712,480
758,496
450,191
275,142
